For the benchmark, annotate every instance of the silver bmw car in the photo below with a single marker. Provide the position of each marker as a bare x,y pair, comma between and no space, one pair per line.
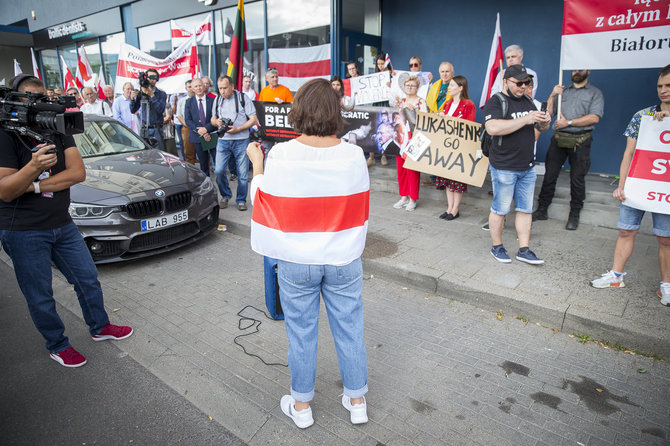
137,201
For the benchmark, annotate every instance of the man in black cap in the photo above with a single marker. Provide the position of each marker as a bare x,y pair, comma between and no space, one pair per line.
510,118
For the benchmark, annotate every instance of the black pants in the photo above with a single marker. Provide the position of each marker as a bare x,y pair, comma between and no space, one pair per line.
580,162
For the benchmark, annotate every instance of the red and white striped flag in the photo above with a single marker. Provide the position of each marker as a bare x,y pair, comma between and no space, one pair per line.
495,63
84,74
318,219
36,70
299,65
101,83
68,79
387,60
203,33
17,68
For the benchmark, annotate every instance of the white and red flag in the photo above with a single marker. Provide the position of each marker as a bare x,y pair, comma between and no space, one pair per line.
203,32
615,34
17,68
495,64
299,65
647,185
68,79
174,70
36,70
101,83
318,220
84,74
387,60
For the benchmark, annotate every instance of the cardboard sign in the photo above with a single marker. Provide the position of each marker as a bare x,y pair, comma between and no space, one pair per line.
370,88
647,186
453,151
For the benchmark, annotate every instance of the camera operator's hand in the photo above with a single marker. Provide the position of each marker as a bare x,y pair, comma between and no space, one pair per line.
42,160
133,94
148,91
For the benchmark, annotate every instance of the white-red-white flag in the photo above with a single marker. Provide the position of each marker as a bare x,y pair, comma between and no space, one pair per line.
317,219
203,32
299,65
84,74
68,79
17,68
495,63
387,60
36,70
101,83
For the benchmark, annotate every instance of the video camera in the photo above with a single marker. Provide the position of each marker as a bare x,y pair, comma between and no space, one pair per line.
39,116
144,79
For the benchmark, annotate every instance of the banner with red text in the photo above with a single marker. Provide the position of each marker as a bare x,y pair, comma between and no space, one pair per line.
181,65
648,183
615,34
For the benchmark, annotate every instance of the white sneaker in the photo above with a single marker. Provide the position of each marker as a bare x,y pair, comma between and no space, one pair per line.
664,294
358,412
401,204
302,418
411,206
609,279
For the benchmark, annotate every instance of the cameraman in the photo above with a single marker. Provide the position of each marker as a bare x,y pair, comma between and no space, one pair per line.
233,140
36,229
156,100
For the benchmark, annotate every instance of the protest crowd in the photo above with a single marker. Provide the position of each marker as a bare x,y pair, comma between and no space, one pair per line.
220,125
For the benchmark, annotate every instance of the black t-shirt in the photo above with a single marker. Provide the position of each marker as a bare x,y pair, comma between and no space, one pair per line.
31,211
517,149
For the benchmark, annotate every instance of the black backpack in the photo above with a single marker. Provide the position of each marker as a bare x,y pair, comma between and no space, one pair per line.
487,140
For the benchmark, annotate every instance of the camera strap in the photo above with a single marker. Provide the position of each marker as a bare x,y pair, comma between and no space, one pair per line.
239,98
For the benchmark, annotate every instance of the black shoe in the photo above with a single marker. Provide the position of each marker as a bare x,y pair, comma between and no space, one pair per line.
540,214
444,215
453,217
573,221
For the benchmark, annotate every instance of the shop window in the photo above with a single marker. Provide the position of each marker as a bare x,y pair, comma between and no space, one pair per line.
52,75
111,45
156,39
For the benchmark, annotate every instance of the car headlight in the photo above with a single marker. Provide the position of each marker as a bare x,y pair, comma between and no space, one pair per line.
78,210
205,187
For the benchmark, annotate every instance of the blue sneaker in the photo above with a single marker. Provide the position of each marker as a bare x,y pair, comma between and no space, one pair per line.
500,254
529,256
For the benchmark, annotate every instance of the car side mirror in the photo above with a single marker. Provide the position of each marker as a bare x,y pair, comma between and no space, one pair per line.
153,142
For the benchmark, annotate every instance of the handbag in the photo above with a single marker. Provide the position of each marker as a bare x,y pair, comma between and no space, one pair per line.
565,140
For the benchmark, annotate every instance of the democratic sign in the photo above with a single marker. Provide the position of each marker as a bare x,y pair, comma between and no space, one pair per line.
615,34
647,185
454,150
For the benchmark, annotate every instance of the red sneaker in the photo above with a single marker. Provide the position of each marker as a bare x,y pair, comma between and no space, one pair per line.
115,332
69,358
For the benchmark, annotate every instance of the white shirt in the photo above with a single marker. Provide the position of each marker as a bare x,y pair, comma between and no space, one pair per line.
98,108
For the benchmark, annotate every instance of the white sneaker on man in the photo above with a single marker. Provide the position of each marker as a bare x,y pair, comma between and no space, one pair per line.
301,418
358,412
609,280
664,293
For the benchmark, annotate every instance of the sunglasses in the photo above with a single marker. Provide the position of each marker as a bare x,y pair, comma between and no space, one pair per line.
414,65
520,83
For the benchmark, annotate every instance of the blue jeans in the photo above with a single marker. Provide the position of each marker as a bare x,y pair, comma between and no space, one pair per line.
630,219
299,290
32,253
512,184
225,148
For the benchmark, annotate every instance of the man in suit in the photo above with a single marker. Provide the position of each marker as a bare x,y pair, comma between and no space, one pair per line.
198,116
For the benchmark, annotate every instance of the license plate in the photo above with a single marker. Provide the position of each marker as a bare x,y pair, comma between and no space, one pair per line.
164,221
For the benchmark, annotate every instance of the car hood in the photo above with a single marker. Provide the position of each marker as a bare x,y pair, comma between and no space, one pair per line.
114,179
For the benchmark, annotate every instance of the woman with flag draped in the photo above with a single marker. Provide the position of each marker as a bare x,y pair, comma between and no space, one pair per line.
311,204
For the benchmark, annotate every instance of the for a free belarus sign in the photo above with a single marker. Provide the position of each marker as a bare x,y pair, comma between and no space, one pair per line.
615,34
648,183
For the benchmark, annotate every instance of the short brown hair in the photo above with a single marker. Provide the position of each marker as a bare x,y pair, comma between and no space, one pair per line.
316,109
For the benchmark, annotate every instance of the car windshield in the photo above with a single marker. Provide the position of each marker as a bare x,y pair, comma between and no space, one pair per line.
106,138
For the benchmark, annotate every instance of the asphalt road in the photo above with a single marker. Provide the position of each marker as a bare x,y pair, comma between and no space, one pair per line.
112,400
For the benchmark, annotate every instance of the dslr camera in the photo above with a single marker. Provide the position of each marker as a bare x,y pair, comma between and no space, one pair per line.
227,122
39,116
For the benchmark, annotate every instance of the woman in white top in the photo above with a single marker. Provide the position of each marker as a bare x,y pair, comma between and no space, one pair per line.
311,204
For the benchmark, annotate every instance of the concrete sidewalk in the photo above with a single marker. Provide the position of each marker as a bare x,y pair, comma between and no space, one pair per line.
452,259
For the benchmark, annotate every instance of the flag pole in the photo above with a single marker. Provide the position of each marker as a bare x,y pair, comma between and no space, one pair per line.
560,82
500,72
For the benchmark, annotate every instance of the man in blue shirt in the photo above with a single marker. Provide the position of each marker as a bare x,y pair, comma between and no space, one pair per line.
156,100
121,107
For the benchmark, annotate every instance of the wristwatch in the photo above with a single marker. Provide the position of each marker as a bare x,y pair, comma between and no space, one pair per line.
570,123
36,185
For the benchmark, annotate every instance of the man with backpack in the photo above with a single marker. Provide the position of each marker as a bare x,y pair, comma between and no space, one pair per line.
510,119
233,116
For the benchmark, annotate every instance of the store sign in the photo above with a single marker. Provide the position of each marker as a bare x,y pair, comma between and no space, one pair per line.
207,2
66,30
100,24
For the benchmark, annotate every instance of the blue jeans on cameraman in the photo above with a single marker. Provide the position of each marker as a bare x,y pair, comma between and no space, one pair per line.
32,253
237,148
300,288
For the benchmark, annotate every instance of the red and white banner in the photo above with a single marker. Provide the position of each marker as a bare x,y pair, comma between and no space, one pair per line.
68,79
317,220
203,32
180,66
299,65
494,66
36,70
615,34
84,74
100,84
648,182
